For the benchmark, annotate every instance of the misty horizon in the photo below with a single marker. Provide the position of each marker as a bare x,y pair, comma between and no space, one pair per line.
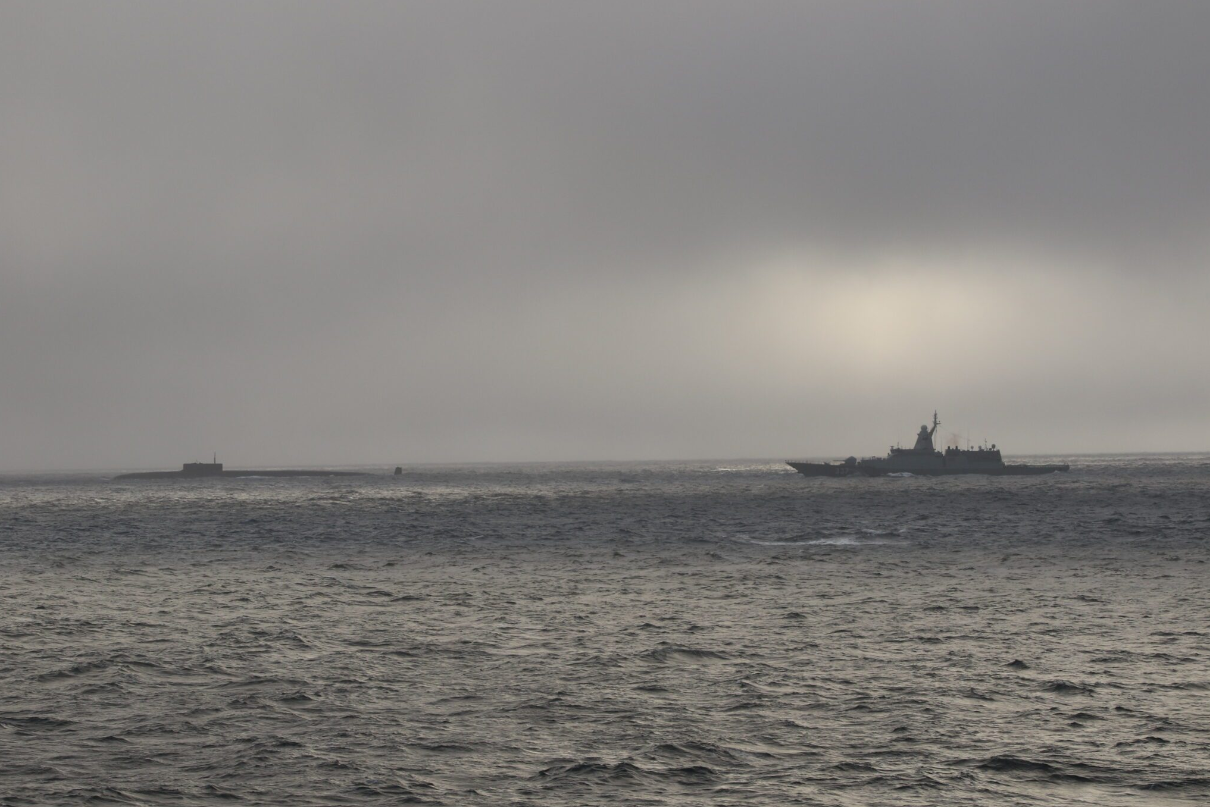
387,466
539,232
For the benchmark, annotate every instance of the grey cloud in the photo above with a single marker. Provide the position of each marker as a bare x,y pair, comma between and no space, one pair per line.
389,231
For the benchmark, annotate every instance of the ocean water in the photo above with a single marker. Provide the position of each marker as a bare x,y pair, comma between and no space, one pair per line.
612,634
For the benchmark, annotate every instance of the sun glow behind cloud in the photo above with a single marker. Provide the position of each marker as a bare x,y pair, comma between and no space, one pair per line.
897,320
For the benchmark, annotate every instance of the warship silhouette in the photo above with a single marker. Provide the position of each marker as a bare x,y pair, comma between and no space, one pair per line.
924,460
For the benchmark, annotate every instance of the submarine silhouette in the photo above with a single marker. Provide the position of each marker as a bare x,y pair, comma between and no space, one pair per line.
203,470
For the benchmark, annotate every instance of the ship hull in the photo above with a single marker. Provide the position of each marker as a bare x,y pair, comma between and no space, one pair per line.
1007,470
865,469
824,469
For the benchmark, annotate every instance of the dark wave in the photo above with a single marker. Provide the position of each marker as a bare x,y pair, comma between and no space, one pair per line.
1011,764
667,654
1069,688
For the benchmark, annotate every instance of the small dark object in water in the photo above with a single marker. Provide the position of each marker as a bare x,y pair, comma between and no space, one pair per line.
398,470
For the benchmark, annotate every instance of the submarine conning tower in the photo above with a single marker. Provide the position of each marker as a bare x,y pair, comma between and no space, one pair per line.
203,468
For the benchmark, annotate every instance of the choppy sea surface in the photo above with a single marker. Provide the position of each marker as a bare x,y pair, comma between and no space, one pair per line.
609,634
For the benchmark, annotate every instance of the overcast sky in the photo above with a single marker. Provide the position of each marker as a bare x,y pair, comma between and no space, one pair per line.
437,231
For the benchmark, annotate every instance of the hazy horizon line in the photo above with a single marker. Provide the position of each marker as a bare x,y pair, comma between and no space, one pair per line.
388,466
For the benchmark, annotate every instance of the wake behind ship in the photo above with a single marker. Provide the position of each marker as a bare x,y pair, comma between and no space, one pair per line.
924,460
